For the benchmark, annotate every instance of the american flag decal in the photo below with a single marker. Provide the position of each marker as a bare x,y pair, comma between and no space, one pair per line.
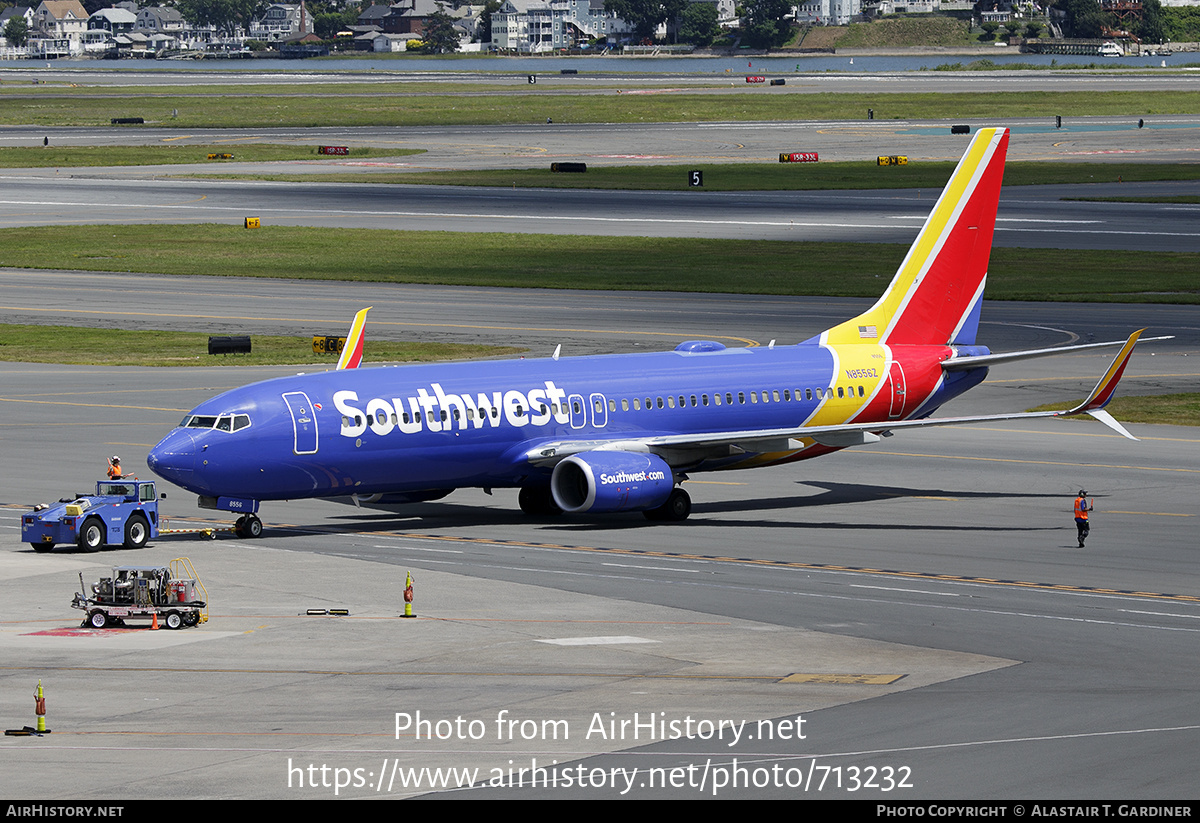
867,332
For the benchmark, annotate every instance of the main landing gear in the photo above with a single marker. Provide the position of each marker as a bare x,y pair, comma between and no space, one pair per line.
537,501
677,507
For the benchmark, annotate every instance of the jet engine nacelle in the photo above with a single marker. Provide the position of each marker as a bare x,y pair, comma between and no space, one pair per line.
611,481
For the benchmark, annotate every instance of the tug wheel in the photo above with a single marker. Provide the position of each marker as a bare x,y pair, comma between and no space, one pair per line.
137,532
91,536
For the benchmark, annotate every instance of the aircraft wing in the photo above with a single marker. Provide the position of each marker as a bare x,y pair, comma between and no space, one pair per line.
841,435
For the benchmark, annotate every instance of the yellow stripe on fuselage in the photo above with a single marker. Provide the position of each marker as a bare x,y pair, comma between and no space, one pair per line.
862,366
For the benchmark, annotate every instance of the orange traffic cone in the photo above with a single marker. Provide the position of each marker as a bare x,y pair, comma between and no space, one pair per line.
154,621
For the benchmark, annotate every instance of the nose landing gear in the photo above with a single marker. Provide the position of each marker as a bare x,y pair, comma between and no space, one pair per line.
248,525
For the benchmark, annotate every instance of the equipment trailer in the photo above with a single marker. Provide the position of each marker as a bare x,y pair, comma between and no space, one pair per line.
172,594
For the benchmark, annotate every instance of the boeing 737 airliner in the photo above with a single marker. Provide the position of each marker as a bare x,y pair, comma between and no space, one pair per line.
621,432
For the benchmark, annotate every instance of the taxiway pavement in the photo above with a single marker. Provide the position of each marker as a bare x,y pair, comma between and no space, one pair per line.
920,604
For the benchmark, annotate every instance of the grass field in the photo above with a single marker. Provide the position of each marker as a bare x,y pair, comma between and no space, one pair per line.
1169,409
123,347
24,157
582,262
353,105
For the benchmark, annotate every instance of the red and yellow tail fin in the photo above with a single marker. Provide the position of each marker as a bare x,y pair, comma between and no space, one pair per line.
352,352
935,296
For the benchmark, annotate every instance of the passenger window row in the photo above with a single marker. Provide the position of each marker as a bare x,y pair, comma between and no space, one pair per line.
754,397
636,404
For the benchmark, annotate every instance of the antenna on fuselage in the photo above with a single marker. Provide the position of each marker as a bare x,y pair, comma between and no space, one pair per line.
557,349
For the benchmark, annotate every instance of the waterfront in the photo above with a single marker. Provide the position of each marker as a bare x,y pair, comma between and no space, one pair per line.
612,64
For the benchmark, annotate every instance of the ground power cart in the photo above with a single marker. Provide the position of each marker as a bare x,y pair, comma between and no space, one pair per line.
173,596
121,512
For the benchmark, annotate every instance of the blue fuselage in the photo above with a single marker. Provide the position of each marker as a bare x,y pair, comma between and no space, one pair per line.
444,426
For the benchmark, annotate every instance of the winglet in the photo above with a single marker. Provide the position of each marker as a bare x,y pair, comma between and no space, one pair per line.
352,352
1103,392
1098,399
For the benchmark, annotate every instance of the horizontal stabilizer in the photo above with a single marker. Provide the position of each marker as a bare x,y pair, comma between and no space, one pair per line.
976,361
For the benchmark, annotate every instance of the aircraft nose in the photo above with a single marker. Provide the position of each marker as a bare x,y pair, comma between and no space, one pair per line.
174,458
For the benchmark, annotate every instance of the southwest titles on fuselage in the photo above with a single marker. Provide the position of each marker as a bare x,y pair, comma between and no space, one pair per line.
437,410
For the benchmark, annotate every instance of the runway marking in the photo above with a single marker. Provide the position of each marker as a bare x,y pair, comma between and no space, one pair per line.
650,568
1083,434
330,290
1151,514
509,217
422,549
225,140
999,219
1159,614
118,391
652,91
613,640
88,405
910,591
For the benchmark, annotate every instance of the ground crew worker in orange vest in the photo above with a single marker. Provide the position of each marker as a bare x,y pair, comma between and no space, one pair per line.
114,468
1082,507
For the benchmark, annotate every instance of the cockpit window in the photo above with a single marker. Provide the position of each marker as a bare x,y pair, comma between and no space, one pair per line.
225,423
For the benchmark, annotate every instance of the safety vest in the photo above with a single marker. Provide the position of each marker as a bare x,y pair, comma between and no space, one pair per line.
114,473
1081,508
